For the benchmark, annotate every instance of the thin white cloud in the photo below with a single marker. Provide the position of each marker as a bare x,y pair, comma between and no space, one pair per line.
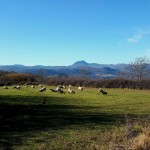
138,36
135,38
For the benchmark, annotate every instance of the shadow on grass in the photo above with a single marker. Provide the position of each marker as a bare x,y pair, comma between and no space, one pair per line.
20,115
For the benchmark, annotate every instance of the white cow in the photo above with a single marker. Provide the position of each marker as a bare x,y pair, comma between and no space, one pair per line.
80,88
70,91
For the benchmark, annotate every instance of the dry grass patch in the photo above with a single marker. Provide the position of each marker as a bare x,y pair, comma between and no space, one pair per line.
134,136
142,141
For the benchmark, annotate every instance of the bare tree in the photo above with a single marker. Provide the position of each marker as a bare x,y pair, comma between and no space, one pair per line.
122,73
139,69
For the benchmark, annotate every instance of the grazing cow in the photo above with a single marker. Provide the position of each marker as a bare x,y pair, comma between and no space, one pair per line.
53,90
61,91
32,86
5,87
80,88
102,91
70,91
42,89
61,86
16,87
58,88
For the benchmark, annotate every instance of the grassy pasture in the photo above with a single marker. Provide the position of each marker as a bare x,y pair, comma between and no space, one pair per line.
33,121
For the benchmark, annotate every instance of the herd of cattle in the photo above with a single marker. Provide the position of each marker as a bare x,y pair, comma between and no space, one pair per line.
59,89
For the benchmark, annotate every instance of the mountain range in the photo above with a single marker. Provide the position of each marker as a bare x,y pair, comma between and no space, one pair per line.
78,69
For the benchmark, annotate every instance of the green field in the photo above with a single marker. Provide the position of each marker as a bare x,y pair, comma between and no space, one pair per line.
51,121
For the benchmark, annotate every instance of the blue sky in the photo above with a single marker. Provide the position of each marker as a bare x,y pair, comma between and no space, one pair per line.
61,32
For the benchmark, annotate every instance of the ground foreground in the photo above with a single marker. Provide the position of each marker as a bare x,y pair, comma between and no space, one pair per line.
85,121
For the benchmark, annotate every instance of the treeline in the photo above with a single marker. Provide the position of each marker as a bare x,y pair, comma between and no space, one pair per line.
110,83
7,78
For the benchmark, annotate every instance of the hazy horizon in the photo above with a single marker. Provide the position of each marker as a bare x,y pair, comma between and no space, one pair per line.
62,65
59,33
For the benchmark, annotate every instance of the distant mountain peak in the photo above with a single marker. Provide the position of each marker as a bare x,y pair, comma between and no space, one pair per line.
80,63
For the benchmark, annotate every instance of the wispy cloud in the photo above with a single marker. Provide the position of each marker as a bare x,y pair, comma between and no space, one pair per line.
138,36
